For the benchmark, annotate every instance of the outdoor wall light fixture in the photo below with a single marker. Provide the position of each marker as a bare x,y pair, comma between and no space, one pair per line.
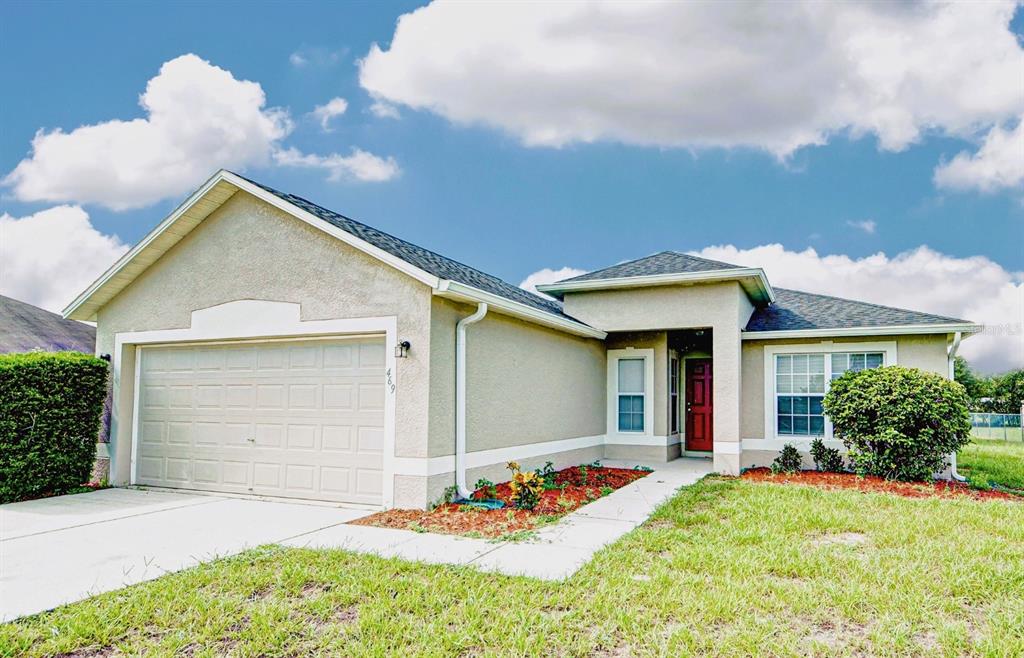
402,349
105,357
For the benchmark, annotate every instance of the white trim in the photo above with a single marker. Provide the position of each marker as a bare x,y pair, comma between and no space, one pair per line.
762,290
888,348
427,466
461,292
895,330
254,320
637,439
613,356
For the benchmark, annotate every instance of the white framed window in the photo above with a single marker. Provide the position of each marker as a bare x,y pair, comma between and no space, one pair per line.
631,395
630,392
797,377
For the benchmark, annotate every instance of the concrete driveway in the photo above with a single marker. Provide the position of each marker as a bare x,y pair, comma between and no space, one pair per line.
64,549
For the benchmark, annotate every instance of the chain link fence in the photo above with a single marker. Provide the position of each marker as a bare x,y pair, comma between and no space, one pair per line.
1004,427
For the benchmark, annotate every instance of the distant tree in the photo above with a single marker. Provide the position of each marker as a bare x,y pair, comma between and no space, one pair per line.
1007,393
979,389
998,394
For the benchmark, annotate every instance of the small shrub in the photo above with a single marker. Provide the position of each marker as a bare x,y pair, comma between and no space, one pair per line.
583,476
606,490
548,473
51,406
788,461
526,487
898,423
645,469
485,488
825,458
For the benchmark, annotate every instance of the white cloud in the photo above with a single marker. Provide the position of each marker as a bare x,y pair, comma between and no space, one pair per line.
199,118
51,256
383,110
297,60
359,165
332,108
548,275
974,288
776,76
998,163
866,225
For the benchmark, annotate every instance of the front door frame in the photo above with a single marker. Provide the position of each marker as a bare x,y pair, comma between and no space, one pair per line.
686,390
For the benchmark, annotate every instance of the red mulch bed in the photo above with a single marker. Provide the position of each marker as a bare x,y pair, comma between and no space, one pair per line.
943,489
454,519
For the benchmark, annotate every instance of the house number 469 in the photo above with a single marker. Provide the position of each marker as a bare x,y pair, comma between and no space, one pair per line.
391,381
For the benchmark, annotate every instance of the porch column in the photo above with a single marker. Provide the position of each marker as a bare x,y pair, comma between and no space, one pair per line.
726,368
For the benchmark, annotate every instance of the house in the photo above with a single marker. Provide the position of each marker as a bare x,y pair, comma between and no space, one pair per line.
264,345
24,328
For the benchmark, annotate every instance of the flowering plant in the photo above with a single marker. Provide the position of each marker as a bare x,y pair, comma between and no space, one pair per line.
526,487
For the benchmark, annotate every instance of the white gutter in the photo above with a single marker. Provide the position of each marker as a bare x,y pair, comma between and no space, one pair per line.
951,356
460,398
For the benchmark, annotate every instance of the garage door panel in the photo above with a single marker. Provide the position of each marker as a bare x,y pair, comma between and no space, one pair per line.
301,419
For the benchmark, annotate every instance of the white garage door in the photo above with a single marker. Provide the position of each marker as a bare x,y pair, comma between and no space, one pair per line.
301,419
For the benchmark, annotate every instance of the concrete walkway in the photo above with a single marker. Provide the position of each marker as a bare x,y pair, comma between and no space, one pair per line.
68,548
557,552
65,549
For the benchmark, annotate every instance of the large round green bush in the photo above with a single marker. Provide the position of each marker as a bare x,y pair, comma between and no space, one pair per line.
898,423
50,411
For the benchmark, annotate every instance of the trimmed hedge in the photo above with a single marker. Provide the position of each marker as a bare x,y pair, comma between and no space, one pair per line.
51,406
898,423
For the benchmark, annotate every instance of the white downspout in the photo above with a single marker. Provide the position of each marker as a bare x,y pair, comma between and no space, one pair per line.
951,355
460,398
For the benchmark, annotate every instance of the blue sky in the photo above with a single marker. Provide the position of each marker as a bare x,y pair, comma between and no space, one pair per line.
477,191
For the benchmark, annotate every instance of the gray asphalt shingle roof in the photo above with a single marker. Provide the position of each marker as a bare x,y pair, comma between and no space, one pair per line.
794,310
666,262
426,260
24,327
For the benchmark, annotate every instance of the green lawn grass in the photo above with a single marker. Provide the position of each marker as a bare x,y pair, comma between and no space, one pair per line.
993,462
726,568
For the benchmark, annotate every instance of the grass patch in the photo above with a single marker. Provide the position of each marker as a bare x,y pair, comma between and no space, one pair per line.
726,568
987,463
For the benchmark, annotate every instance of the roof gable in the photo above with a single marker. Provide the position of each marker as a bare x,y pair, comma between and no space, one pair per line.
445,276
24,327
666,262
794,310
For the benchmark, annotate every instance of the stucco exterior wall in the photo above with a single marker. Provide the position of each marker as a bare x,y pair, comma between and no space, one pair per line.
250,250
927,352
525,383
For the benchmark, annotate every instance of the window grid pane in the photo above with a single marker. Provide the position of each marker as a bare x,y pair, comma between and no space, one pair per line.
800,386
631,413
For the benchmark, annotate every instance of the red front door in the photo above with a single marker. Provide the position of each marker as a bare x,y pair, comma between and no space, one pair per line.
699,410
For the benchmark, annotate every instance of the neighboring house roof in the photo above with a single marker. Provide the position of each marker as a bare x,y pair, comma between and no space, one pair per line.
428,261
666,262
794,310
24,327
